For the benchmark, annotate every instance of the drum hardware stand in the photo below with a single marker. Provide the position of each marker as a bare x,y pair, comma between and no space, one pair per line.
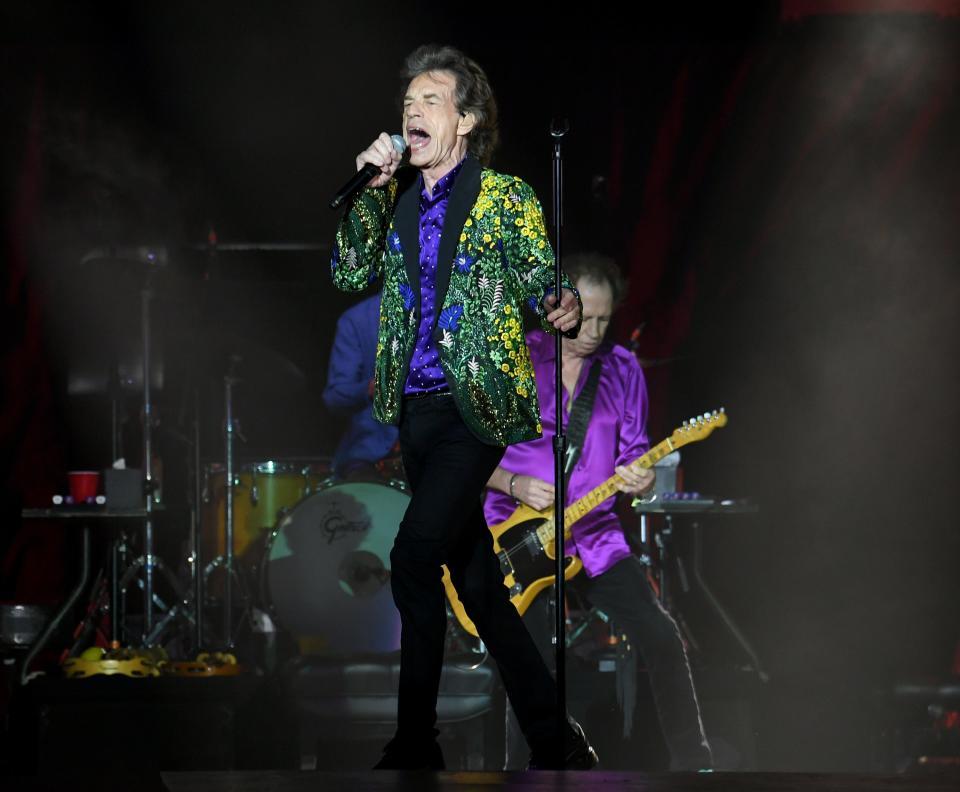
577,624
148,485
115,610
141,563
121,583
118,596
196,557
105,598
148,561
589,616
183,609
228,431
231,427
237,585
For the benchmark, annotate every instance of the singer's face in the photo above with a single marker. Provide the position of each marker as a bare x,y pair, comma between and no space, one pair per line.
434,129
597,297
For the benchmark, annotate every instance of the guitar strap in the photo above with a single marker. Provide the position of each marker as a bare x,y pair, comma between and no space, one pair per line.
580,418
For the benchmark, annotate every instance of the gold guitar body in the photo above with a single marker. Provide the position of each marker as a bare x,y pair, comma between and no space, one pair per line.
523,557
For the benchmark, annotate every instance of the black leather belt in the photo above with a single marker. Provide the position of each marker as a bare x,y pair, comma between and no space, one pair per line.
416,396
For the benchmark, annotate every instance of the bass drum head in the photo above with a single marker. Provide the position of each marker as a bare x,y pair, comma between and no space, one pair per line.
326,575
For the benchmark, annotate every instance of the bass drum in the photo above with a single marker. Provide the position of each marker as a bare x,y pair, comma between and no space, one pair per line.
326,571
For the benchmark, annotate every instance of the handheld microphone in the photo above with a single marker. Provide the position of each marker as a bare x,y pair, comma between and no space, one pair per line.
363,176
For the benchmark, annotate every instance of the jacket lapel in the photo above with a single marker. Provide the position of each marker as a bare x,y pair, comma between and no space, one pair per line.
406,222
462,198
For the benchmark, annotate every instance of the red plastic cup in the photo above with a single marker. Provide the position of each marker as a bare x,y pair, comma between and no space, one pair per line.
84,484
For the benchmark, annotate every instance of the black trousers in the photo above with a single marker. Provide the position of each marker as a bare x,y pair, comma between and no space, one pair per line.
448,467
625,595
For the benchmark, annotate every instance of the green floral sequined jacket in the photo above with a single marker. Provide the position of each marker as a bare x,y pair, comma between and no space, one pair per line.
499,260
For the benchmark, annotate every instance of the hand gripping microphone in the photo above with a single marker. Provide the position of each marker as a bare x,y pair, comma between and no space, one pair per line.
360,179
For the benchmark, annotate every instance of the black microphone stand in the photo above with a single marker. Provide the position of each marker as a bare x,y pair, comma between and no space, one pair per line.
557,131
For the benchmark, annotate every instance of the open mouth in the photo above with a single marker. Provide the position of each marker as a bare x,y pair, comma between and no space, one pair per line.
417,137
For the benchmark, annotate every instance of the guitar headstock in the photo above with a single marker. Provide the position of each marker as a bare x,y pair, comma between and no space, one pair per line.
699,427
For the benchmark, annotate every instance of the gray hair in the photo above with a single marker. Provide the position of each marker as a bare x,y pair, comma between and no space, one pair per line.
597,268
473,92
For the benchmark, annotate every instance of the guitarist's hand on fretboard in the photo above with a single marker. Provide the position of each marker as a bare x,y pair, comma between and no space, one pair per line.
636,480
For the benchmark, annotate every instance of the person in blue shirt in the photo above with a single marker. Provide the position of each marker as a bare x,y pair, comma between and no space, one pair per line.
349,389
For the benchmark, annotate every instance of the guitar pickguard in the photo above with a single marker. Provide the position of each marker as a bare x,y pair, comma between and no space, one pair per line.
527,558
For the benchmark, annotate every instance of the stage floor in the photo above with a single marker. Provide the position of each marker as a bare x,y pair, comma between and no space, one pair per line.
296,781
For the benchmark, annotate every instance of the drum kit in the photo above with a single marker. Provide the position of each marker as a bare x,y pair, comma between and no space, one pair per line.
276,544
312,552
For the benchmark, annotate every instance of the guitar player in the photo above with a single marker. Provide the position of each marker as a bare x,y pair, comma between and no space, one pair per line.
606,395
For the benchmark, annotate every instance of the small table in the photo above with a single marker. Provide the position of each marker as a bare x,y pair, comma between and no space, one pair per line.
696,507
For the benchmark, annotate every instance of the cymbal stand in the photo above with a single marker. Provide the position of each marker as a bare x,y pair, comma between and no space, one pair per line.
229,428
227,561
150,636
189,594
148,485
196,569
147,561
183,609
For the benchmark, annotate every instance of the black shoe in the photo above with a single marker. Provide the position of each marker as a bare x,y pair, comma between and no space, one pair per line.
579,754
406,756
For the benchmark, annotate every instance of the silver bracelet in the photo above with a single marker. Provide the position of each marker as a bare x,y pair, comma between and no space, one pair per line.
512,479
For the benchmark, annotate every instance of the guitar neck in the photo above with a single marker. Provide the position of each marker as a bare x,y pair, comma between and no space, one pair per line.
583,506
692,431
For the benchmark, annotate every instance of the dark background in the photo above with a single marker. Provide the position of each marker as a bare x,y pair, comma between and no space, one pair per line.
780,183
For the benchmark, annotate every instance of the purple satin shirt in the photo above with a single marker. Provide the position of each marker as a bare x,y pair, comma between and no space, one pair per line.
616,435
425,375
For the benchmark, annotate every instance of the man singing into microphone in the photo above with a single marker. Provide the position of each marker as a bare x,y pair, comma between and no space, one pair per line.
460,249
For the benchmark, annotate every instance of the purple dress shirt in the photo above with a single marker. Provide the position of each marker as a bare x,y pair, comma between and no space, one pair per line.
616,435
425,375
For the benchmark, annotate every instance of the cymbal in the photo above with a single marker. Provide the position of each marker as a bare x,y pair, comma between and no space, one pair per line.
216,353
137,255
